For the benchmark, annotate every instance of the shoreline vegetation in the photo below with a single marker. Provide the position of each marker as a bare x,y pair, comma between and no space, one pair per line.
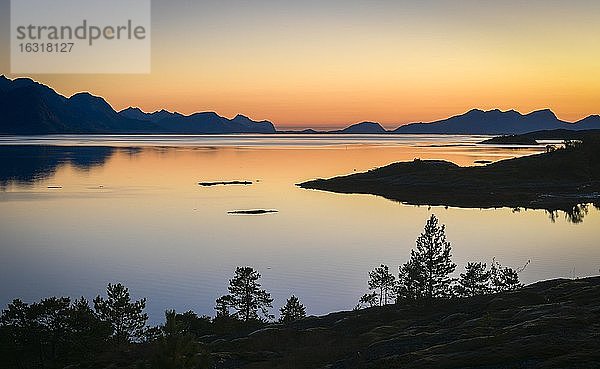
511,140
562,179
425,317
532,138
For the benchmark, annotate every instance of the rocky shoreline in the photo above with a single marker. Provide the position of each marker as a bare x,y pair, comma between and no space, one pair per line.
550,324
558,180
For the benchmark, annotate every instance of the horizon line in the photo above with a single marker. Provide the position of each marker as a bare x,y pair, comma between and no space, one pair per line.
291,126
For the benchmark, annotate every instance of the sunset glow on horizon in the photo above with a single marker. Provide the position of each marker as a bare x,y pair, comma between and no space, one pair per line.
334,63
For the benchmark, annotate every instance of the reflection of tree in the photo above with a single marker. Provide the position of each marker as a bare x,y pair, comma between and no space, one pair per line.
131,151
25,164
577,213
552,214
573,215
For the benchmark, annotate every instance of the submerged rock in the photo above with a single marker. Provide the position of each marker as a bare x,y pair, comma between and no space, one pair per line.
252,212
224,183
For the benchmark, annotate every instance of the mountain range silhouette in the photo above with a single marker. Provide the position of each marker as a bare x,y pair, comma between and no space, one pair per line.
28,108
499,122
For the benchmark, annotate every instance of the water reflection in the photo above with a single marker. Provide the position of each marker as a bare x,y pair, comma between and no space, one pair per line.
574,215
138,216
25,165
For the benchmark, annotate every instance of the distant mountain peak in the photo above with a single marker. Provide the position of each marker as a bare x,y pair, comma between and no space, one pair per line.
4,83
20,83
591,121
363,127
368,124
132,108
85,96
139,110
211,114
543,113
495,111
494,121
83,99
29,107
244,119
155,117
199,122
24,80
132,113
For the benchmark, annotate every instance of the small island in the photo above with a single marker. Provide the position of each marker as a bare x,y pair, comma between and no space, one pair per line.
511,140
252,212
558,180
224,183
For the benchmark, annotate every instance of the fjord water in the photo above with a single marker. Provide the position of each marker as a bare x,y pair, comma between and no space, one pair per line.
78,212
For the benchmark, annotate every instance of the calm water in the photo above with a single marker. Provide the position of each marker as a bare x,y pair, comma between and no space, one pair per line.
79,212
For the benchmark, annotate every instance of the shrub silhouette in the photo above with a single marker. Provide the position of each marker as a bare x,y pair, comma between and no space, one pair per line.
292,310
427,273
125,317
474,281
246,296
383,282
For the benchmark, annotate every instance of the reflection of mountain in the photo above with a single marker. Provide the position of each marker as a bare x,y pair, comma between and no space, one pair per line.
27,164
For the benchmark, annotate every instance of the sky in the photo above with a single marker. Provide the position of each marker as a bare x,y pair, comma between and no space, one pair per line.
332,63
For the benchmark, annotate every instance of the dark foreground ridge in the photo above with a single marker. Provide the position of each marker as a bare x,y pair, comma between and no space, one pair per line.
551,324
557,180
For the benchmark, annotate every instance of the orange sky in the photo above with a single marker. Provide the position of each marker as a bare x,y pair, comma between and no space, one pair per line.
334,63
